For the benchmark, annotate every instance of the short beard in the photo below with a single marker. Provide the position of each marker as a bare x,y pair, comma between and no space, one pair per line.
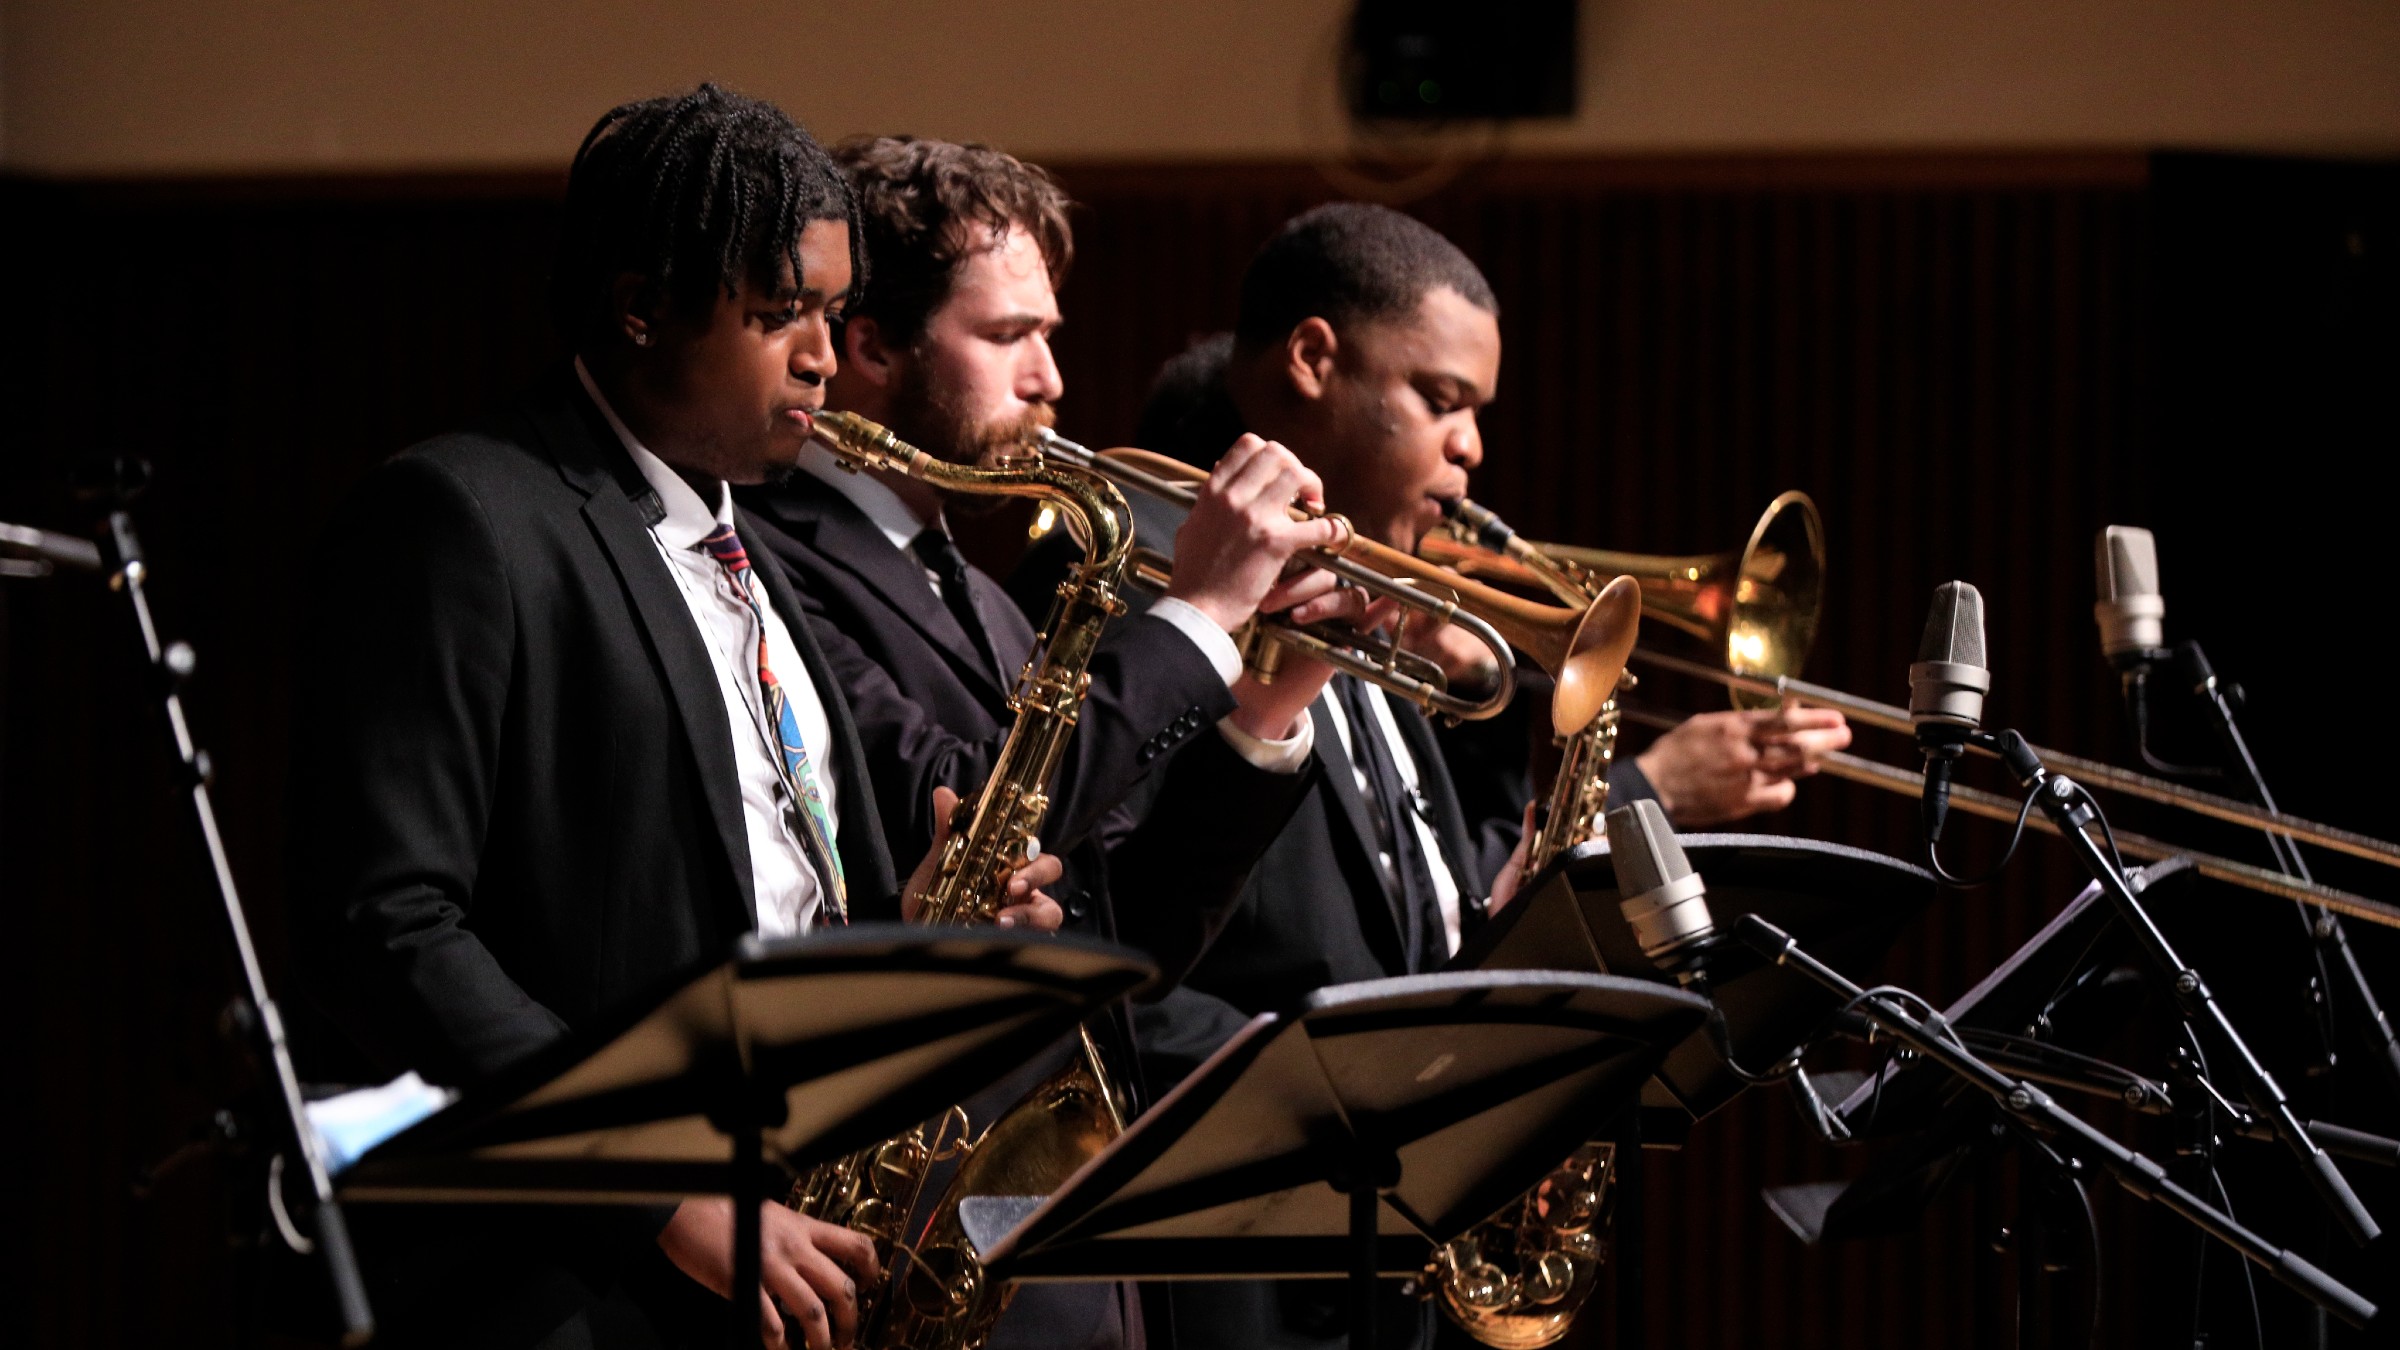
928,419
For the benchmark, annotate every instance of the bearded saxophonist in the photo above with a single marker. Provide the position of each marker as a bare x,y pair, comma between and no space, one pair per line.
950,349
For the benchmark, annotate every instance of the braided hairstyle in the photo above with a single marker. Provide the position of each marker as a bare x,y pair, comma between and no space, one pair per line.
698,192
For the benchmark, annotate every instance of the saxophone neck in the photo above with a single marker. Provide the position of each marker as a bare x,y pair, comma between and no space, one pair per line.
1094,509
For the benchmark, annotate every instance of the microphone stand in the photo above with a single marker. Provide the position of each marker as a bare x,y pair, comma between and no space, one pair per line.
2069,806
170,663
2035,1110
2324,927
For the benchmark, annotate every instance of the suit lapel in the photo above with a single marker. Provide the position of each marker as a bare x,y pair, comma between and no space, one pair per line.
841,534
1384,925
1012,637
615,508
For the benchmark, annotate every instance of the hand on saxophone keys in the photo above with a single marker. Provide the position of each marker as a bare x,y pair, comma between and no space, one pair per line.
811,1269
1029,905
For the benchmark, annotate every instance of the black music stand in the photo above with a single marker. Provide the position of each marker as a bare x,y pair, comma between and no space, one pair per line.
1847,904
801,1049
1350,1137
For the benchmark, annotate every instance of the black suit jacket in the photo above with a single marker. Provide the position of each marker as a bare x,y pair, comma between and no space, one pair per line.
516,801
1155,864
516,805
1176,861
916,683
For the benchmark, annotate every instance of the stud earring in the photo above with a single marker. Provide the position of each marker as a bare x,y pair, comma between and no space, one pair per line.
641,339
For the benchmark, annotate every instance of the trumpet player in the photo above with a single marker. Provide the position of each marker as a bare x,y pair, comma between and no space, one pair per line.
1369,343
950,348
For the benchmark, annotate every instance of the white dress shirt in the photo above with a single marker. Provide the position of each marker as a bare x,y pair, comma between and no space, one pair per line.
1445,881
898,523
784,880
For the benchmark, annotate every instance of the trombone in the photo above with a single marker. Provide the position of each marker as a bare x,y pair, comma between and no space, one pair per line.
1583,645
1757,605
1761,616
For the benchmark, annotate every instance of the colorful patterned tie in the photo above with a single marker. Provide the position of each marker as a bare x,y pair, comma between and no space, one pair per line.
799,780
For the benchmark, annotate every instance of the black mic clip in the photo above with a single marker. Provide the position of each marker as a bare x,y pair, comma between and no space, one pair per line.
1941,743
2193,668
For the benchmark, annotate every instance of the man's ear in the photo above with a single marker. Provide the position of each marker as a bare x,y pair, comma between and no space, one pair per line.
865,353
1308,354
634,309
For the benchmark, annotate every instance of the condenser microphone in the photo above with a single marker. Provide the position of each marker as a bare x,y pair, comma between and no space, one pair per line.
1665,903
2131,612
1945,691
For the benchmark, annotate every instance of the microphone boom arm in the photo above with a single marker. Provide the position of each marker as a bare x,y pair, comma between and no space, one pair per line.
2035,1109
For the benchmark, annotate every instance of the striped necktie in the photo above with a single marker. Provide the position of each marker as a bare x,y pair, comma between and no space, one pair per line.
799,779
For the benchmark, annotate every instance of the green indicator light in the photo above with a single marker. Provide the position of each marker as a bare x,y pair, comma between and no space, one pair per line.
1430,92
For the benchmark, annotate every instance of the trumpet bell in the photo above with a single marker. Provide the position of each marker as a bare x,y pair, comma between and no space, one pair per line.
1590,660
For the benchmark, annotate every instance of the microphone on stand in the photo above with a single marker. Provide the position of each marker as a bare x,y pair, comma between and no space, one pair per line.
1665,903
1945,692
2130,611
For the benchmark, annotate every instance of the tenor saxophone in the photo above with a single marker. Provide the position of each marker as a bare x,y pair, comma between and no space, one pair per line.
934,1294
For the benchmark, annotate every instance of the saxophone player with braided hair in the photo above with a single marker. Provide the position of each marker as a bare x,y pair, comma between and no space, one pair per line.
568,731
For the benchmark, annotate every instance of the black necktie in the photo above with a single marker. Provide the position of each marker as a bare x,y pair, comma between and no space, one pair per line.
936,551
1422,931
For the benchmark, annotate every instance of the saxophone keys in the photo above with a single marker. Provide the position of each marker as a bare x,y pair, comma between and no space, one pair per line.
1553,1274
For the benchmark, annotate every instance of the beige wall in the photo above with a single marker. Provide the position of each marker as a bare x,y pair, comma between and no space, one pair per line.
170,86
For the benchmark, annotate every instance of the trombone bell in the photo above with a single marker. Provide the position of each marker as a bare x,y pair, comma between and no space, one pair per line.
1757,605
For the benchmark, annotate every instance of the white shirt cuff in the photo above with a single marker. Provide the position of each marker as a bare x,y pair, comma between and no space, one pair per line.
1288,755
1204,633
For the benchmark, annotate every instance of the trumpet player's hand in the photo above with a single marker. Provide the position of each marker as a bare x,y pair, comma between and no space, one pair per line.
1720,767
810,1269
1028,905
1233,548
1273,711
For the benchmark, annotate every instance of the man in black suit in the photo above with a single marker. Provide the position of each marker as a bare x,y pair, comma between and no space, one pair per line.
565,742
1368,342
950,349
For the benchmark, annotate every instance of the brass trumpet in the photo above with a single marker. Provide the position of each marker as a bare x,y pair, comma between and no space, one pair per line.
1583,644
1756,606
